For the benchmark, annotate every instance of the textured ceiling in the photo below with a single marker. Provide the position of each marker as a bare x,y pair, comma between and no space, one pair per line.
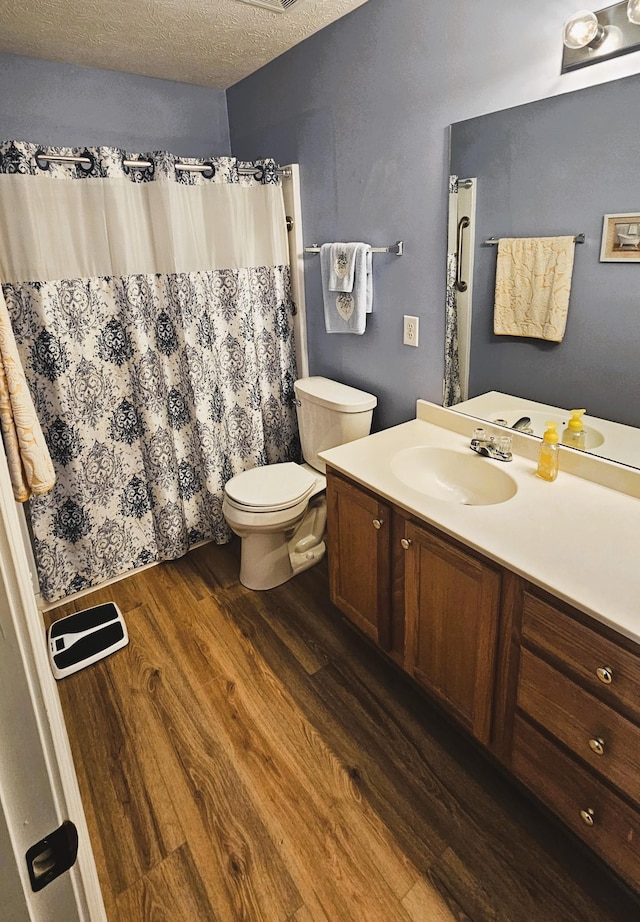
207,42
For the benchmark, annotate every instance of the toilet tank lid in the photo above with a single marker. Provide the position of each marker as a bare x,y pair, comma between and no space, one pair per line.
334,395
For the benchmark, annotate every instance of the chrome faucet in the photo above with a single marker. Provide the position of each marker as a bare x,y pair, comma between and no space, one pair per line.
521,425
491,447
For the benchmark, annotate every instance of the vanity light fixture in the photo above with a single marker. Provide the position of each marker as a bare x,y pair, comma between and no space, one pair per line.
591,37
582,30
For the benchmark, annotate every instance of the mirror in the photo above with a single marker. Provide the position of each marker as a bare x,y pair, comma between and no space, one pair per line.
552,167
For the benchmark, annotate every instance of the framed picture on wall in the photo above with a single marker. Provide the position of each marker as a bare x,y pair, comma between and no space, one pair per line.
621,238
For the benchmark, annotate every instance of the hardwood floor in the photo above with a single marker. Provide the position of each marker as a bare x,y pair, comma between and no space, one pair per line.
249,758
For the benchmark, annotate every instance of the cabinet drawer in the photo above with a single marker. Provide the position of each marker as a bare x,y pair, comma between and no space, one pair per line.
574,794
585,652
600,736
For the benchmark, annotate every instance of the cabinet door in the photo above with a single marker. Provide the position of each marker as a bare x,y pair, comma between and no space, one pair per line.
359,526
452,612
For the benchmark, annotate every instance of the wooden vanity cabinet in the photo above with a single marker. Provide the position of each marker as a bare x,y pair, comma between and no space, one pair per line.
552,693
576,728
424,599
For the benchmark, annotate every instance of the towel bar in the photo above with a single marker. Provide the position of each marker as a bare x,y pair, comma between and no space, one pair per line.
397,249
494,241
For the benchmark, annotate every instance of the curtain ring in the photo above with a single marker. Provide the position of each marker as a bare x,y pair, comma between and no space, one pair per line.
41,164
92,162
128,164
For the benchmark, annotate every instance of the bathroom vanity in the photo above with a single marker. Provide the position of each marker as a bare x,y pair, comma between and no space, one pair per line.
518,616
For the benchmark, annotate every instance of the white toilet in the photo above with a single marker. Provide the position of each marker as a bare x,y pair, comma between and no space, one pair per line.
280,511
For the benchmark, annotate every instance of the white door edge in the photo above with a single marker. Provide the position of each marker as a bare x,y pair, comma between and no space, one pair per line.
25,621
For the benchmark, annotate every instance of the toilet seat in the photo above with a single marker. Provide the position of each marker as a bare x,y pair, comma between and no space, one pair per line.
271,488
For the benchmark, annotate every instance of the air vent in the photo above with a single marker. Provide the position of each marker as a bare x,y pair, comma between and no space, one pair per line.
276,6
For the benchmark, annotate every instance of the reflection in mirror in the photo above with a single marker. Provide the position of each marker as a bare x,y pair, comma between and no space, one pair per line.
601,436
548,168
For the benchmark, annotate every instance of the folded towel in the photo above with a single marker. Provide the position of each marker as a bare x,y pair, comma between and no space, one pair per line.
533,283
342,263
345,311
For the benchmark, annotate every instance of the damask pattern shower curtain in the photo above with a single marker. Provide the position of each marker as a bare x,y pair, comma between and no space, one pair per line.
153,317
451,382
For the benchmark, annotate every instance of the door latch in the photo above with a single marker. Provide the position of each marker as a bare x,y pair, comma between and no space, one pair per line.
52,856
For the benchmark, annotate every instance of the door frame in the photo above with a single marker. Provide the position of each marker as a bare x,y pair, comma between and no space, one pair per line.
36,800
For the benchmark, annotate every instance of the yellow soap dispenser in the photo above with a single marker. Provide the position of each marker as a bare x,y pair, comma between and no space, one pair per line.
548,457
574,435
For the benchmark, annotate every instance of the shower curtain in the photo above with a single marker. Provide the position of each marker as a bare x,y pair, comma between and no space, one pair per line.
451,393
153,316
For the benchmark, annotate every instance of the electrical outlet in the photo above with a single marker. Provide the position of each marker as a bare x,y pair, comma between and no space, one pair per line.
411,328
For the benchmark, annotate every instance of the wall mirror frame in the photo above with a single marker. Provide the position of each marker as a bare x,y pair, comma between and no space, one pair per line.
551,167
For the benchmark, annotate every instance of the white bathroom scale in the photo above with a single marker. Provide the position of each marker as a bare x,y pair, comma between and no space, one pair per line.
84,638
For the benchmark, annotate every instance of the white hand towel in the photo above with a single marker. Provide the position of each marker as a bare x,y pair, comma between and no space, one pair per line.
342,263
345,312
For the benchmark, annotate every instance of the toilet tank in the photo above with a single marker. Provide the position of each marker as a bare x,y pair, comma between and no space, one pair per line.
330,414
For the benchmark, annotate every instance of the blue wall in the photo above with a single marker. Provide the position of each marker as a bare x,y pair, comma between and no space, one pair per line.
337,104
364,107
65,105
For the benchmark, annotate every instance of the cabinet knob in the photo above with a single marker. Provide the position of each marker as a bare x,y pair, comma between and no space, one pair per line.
605,674
597,745
405,543
378,523
588,817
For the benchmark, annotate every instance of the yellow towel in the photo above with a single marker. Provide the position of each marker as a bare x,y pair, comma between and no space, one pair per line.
30,464
533,282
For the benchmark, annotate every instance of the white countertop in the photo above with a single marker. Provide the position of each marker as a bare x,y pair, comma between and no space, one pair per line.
576,537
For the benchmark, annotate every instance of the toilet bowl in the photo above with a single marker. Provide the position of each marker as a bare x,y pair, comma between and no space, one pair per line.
278,514
279,511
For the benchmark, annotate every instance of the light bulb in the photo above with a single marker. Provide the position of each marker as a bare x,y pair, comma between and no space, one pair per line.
633,11
583,29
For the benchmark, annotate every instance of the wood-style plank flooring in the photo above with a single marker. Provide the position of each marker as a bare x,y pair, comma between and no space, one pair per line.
249,758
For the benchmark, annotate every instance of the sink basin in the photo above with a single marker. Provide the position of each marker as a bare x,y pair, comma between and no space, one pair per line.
453,476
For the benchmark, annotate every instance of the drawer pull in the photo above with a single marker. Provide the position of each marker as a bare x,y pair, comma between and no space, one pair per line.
605,674
405,543
597,745
378,523
588,817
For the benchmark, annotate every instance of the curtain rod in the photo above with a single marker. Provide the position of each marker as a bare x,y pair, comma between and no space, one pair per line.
145,164
494,241
396,248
